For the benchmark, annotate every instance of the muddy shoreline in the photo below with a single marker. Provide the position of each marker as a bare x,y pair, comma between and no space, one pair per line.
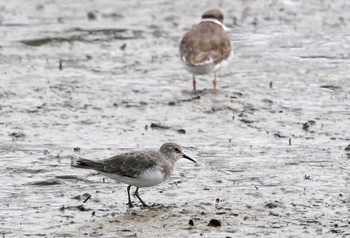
98,79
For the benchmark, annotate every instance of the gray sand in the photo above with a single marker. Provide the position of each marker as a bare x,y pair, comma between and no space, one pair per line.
122,87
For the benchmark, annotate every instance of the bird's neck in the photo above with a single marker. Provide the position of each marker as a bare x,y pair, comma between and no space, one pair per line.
216,22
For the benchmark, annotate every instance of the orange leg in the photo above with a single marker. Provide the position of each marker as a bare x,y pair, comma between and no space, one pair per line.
215,81
194,82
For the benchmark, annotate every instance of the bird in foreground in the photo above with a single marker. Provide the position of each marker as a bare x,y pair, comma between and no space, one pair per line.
206,47
138,168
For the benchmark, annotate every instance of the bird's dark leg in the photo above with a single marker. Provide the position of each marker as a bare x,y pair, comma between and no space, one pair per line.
129,199
194,82
214,81
137,195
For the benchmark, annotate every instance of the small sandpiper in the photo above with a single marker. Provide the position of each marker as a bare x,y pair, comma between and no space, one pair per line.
206,47
138,168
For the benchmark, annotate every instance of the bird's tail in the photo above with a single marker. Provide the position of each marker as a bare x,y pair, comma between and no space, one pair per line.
86,164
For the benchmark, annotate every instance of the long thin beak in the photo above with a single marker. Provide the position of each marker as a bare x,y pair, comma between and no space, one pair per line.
189,158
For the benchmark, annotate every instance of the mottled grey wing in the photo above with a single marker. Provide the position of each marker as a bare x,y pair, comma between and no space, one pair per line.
130,164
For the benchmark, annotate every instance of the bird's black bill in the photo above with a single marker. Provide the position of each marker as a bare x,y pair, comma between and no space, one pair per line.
189,158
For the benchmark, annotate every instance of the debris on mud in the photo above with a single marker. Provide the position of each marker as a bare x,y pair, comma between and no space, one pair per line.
214,223
17,135
49,182
91,16
158,126
307,125
272,205
347,148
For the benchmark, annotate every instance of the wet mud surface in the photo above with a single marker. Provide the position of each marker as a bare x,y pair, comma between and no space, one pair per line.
99,78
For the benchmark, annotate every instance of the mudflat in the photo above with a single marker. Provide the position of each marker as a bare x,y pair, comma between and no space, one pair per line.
99,78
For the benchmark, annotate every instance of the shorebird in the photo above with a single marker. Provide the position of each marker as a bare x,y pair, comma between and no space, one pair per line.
143,168
206,47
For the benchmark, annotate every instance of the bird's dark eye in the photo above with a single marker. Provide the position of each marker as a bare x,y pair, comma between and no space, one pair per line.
177,150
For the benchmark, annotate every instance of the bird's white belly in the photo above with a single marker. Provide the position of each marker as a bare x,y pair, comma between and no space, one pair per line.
148,178
200,69
207,68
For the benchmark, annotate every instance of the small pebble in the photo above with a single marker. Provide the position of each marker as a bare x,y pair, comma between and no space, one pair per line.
181,131
347,148
123,46
91,16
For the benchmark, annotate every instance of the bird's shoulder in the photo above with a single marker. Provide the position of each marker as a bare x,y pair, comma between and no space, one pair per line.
204,44
131,164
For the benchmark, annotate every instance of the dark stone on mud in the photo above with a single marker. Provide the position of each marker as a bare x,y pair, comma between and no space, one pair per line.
91,16
190,222
123,46
76,149
81,208
172,103
181,131
214,223
347,148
